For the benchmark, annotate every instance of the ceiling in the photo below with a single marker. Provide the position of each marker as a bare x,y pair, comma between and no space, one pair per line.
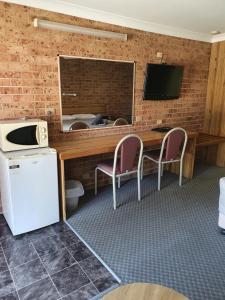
193,19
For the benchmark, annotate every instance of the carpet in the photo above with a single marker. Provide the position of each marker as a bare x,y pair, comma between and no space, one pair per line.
170,237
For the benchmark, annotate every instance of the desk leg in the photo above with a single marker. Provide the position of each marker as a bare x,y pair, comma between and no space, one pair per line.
62,189
214,155
211,154
220,159
189,160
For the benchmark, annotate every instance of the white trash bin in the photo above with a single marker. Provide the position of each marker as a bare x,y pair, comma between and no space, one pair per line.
74,190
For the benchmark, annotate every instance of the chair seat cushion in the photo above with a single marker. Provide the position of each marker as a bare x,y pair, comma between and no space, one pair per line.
154,154
107,166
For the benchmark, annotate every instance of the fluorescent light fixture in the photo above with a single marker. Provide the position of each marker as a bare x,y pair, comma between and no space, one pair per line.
78,29
214,32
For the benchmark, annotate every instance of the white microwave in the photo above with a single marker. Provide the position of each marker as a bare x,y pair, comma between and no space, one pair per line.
23,134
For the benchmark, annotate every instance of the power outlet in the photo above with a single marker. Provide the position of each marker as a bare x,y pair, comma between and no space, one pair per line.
158,122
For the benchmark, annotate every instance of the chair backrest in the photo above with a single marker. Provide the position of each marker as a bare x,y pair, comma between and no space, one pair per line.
120,122
128,149
79,125
174,143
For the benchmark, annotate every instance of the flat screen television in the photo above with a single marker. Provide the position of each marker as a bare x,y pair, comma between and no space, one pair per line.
162,82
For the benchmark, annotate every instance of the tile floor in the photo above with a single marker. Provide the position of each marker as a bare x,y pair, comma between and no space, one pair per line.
50,263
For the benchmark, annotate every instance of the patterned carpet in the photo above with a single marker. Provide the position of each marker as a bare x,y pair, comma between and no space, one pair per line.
170,237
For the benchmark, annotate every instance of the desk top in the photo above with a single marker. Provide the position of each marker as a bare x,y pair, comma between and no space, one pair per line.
103,144
205,139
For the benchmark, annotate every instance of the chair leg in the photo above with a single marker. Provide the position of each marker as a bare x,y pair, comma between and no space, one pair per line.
142,167
162,169
114,192
139,185
181,173
118,182
96,180
159,176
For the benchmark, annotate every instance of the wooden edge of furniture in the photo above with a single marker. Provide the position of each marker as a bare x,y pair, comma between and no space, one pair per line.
189,158
62,190
144,291
106,144
214,145
205,139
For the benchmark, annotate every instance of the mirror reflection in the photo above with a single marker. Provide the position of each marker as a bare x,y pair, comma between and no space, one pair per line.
95,93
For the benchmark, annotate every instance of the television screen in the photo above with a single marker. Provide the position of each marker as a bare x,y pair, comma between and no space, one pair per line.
162,82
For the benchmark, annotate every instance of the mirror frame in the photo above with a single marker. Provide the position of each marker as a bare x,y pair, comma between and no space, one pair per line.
95,58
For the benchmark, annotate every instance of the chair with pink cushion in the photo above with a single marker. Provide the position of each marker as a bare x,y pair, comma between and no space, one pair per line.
124,163
172,150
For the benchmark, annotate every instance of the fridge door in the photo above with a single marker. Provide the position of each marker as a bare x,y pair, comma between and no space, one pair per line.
34,191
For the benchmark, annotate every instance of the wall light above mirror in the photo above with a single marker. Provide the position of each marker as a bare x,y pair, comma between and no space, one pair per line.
95,93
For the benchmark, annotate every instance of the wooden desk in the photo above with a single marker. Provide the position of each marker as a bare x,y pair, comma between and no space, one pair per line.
205,139
106,144
212,149
144,291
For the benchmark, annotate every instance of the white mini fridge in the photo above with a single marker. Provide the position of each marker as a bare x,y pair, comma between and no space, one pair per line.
29,189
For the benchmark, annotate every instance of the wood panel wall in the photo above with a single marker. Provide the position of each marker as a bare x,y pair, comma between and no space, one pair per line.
215,102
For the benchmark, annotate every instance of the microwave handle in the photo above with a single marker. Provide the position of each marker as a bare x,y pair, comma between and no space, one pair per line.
38,134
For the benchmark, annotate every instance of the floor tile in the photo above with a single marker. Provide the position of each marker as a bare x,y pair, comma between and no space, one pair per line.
28,273
68,238
4,231
60,227
85,293
20,255
14,242
6,284
57,260
3,264
48,244
11,296
79,251
40,290
70,279
94,268
105,283
41,233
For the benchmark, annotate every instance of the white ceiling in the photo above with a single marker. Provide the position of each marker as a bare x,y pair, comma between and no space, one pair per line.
193,19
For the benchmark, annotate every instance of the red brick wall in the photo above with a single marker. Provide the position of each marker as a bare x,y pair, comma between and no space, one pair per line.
29,73
97,83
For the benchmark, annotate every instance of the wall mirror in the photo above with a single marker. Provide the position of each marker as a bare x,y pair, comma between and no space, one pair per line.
95,93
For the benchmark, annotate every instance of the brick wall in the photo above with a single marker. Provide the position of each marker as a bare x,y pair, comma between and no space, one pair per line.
29,73
104,87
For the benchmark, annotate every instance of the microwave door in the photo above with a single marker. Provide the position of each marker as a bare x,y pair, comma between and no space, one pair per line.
26,135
